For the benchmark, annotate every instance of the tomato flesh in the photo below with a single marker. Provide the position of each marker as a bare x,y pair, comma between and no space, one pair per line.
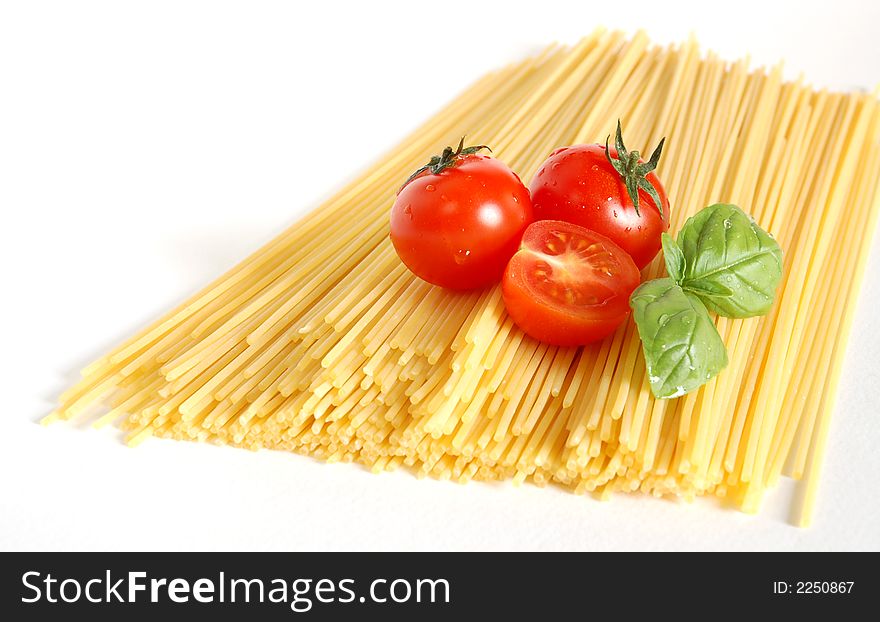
459,227
578,185
567,285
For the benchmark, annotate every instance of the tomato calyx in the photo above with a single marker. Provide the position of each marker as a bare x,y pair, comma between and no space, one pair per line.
445,160
626,163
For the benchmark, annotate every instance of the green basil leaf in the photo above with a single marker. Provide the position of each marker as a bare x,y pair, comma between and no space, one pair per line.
708,288
725,250
682,347
674,258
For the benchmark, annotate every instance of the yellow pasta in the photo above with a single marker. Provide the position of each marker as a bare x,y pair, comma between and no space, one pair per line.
330,347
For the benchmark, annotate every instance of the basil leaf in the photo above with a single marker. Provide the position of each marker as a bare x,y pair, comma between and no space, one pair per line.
674,258
682,347
726,251
708,288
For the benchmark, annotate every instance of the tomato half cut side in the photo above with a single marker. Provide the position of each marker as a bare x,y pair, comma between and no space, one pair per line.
567,285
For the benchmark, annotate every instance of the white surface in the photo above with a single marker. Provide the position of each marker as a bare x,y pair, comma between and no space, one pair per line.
146,147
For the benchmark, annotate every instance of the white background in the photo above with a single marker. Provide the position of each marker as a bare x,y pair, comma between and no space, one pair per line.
146,147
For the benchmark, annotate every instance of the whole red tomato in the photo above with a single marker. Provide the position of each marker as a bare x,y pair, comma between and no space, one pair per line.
608,190
458,220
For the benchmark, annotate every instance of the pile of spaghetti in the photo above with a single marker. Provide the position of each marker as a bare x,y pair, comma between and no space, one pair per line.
331,348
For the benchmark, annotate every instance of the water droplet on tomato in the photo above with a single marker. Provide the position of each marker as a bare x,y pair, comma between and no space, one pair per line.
541,172
408,211
554,166
430,188
615,213
515,200
595,167
443,197
553,183
608,199
461,256
629,229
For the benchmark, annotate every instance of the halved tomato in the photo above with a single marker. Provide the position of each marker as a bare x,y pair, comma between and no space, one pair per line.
567,285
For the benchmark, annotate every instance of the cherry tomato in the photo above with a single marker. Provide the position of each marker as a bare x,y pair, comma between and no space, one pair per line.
568,285
457,221
586,186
